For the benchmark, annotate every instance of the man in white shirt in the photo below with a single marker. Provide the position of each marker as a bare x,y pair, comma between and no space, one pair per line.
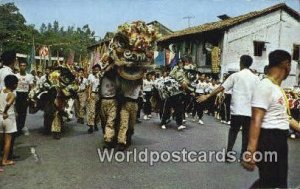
242,84
24,85
211,102
8,59
201,86
270,124
92,98
147,89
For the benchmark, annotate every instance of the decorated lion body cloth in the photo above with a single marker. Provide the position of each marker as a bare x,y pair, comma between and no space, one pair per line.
51,96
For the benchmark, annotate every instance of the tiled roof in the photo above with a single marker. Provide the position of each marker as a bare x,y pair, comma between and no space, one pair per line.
230,22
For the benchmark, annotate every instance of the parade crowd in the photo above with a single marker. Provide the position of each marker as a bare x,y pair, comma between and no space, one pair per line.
166,93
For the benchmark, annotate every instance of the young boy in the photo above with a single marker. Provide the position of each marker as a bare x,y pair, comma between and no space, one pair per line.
8,124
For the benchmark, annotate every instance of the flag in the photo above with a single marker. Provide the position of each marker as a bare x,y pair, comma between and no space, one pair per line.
96,57
159,58
49,57
175,60
167,57
57,61
31,60
70,60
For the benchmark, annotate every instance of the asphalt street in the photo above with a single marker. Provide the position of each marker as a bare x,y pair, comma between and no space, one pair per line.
73,162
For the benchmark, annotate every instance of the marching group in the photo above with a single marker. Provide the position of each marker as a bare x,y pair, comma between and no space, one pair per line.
169,94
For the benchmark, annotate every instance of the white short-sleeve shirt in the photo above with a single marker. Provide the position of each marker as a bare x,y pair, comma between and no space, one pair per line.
201,87
5,71
211,88
83,83
147,85
242,84
24,82
94,82
269,96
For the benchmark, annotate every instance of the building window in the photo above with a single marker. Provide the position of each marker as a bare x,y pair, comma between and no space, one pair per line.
259,47
296,52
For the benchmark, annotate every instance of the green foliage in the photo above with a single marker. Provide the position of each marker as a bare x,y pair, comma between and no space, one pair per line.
16,34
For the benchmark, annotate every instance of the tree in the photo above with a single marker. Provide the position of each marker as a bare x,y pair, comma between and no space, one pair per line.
15,34
43,28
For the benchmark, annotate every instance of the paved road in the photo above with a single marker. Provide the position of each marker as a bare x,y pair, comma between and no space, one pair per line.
73,161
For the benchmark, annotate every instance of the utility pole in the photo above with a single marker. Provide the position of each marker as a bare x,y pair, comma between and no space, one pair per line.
189,19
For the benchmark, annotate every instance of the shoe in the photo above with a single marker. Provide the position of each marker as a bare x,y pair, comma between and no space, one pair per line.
181,127
108,145
121,147
163,127
146,117
228,159
96,128
149,116
293,136
183,121
80,120
223,121
56,135
228,123
186,115
200,121
90,130
25,131
194,119
1,169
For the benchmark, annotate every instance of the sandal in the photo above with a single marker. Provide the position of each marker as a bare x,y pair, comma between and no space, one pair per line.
8,163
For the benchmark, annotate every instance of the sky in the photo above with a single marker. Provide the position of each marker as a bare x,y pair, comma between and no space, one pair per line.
105,15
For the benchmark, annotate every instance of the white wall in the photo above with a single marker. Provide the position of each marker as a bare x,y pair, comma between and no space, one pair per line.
278,29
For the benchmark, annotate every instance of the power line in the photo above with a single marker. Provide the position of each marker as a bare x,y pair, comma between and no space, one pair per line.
189,19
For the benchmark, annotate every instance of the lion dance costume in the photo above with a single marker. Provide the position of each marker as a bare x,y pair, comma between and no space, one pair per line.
129,56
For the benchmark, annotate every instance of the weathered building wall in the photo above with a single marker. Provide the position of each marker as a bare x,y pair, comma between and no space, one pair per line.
278,30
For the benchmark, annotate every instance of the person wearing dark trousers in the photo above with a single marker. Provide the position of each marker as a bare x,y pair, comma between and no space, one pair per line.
198,108
140,107
175,102
227,102
147,89
201,86
242,84
24,85
189,103
236,123
211,102
271,120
